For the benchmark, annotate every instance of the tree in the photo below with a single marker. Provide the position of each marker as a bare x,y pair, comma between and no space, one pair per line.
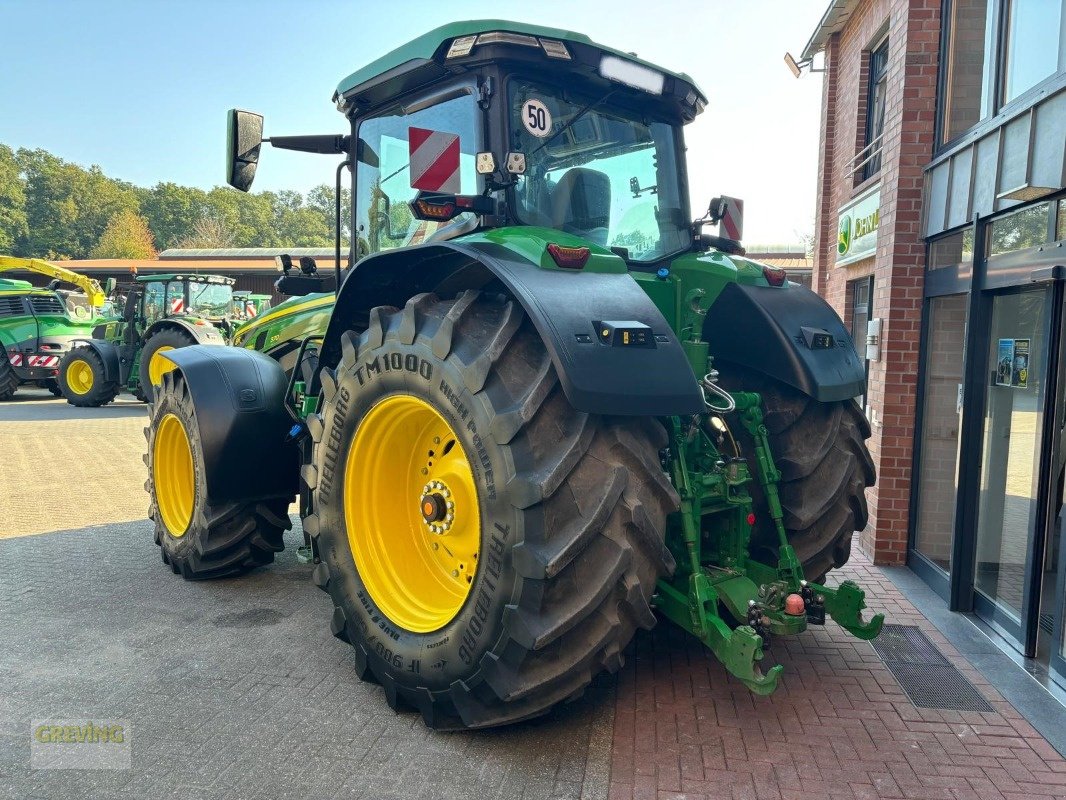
126,236
12,203
172,211
67,207
209,232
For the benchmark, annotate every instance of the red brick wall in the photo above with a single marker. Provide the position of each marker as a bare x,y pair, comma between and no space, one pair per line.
898,265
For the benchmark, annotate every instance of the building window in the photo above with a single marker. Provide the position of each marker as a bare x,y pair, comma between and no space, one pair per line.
862,294
870,155
967,64
1060,225
1032,44
1019,230
952,250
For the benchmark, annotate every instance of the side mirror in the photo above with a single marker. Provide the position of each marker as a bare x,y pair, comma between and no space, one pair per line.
244,136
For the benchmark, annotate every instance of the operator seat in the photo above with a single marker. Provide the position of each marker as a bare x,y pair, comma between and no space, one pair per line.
581,204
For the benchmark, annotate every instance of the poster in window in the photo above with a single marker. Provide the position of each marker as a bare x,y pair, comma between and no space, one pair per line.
1012,363
1019,377
1004,362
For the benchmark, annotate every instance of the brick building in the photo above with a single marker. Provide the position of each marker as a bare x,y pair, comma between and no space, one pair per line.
941,225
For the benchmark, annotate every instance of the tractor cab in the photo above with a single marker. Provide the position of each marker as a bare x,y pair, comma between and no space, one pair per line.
208,297
489,124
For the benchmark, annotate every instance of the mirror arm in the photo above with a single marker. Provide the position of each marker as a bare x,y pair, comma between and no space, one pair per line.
319,143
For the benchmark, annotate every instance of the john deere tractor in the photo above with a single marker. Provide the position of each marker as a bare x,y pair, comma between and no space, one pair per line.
160,313
546,408
36,326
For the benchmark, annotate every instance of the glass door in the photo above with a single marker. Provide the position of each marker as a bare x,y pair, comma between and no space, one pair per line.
1015,464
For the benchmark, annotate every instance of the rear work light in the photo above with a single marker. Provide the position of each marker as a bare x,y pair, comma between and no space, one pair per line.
464,45
568,257
775,276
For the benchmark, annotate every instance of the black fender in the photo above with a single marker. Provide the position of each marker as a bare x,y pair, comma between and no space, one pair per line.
239,397
201,334
597,377
109,355
773,330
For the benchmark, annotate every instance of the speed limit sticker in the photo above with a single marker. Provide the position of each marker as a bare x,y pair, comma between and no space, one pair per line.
536,118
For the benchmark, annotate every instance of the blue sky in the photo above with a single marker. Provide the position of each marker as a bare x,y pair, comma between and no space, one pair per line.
141,88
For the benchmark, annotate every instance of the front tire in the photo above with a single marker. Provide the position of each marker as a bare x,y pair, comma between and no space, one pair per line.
566,512
153,366
82,379
9,381
199,537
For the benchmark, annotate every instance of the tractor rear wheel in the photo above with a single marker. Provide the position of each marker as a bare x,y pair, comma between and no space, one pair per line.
820,450
82,378
153,366
200,538
9,381
52,385
488,549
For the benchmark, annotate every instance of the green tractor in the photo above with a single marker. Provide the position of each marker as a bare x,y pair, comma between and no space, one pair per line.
160,313
36,326
247,306
545,408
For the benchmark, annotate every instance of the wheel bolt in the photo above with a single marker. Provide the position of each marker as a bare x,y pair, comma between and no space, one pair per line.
455,573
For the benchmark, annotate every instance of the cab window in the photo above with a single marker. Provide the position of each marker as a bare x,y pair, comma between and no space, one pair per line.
175,298
153,302
400,154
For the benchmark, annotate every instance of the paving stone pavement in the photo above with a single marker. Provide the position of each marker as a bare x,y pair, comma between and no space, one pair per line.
236,689
839,726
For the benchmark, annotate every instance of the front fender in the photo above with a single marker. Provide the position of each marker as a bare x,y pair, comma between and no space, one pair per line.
109,355
238,396
564,306
762,328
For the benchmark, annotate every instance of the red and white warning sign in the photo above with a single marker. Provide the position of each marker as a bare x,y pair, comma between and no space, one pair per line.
434,160
731,225
177,305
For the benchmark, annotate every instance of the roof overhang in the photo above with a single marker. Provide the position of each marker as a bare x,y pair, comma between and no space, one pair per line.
833,21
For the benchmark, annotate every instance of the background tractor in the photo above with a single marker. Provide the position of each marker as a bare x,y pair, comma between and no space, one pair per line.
543,407
36,325
248,306
160,313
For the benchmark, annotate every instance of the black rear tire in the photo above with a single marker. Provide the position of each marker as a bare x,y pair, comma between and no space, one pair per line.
222,539
102,390
53,387
165,337
9,381
820,449
572,506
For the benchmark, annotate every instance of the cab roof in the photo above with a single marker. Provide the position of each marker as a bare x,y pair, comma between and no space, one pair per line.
179,276
428,51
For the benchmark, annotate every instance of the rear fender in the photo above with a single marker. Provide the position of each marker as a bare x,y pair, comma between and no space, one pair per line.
563,305
239,398
763,328
201,334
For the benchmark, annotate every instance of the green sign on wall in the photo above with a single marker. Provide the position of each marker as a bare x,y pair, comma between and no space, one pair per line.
857,227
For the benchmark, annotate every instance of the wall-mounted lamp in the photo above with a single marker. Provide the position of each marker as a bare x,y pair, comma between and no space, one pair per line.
797,67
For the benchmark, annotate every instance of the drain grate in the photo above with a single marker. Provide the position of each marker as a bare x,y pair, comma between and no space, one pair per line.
928,679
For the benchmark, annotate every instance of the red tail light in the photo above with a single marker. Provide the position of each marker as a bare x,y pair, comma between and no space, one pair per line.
774,275
568,257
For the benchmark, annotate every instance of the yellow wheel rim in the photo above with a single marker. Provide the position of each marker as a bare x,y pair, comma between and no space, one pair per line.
411,510
158,366
80,376
172,475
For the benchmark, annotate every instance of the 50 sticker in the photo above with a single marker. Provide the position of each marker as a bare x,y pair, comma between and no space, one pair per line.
536,118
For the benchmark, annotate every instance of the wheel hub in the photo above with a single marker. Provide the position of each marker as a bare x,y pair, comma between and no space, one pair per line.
438,509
